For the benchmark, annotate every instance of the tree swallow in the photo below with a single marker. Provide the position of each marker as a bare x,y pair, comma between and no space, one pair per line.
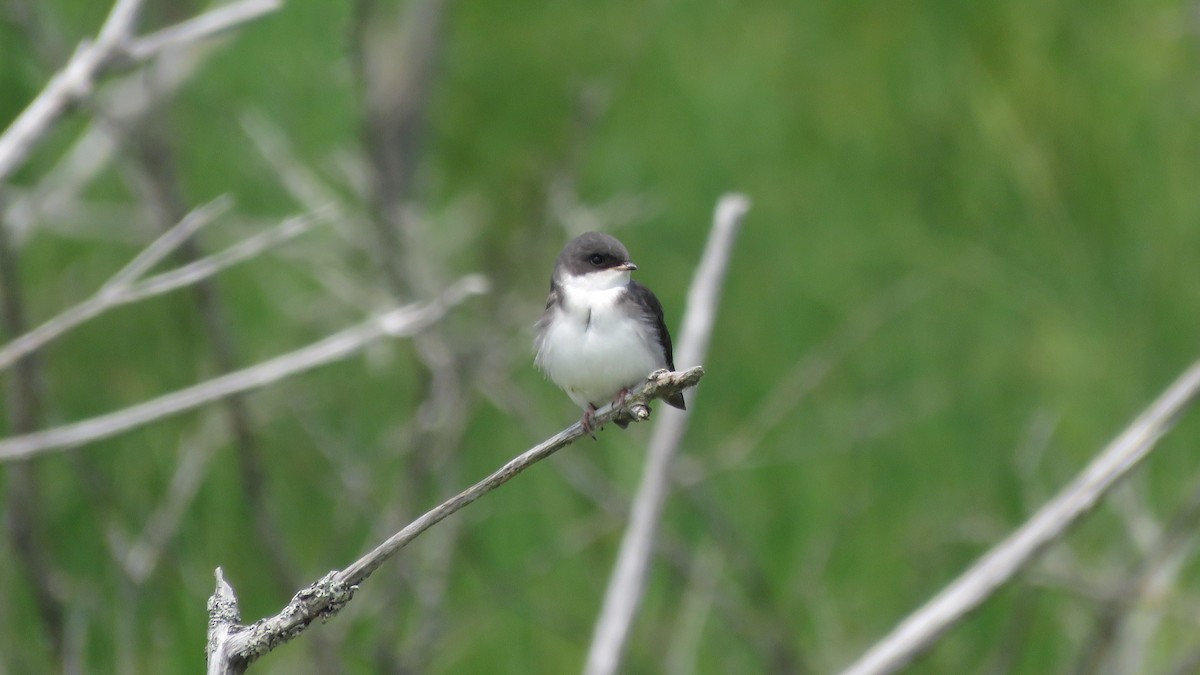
602,332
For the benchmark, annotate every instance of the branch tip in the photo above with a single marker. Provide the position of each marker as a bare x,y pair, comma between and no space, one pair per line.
223,605
230,643
732,207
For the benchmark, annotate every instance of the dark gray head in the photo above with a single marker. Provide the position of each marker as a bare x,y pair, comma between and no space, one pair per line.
593,252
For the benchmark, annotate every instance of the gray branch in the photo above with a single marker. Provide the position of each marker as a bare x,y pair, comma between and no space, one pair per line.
232,646
628,580
207,25
127,286
114,46
401,322
998,566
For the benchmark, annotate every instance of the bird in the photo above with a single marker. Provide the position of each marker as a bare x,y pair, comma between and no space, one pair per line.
601,332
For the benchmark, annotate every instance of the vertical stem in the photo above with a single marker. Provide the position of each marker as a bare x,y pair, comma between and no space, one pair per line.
627,583
21,498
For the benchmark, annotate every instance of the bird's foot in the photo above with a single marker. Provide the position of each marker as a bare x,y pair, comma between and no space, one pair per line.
619,400
588,421
635,413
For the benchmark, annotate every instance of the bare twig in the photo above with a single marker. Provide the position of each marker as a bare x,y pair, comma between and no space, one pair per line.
72,83
115,45
209,24
923,627
160,248
310,191
658,385
112,290
232,647
627,583
127,287
221,260
119,109
400,322
223,620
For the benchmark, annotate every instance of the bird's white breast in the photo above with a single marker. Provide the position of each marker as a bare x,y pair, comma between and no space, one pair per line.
593,347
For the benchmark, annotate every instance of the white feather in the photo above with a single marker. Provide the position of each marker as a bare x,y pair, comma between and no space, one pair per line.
592,347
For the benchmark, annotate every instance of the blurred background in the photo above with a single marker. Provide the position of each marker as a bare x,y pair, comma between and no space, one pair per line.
970,261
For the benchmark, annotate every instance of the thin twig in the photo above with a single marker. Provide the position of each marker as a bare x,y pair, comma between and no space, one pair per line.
113,46
110,292
118,28
124,289
209,24
169,241
232,647
925,625
658,385
627,583
72,83
400,322
117,111
217,262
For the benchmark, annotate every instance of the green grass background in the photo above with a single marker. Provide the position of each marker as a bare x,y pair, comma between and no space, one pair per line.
974,234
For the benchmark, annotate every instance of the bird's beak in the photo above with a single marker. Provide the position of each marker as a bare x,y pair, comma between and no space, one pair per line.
627,266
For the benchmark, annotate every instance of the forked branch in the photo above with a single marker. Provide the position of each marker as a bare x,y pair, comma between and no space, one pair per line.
998,566
233,646
400,322
116,45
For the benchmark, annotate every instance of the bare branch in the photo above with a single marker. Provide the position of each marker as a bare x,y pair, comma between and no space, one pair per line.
400,322
222,260
627,583
163,246
125,287
119,25
659,385
232,647
923,627
122,107
113,46
223,618
202,27
72,83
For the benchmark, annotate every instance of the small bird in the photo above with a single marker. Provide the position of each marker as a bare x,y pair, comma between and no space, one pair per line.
602,332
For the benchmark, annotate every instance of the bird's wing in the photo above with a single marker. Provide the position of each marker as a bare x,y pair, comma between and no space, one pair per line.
652,314
543,324
552,299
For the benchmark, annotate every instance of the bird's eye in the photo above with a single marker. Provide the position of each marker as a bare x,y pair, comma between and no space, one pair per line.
596,259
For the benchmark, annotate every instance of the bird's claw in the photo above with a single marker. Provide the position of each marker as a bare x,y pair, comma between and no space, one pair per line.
588,421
